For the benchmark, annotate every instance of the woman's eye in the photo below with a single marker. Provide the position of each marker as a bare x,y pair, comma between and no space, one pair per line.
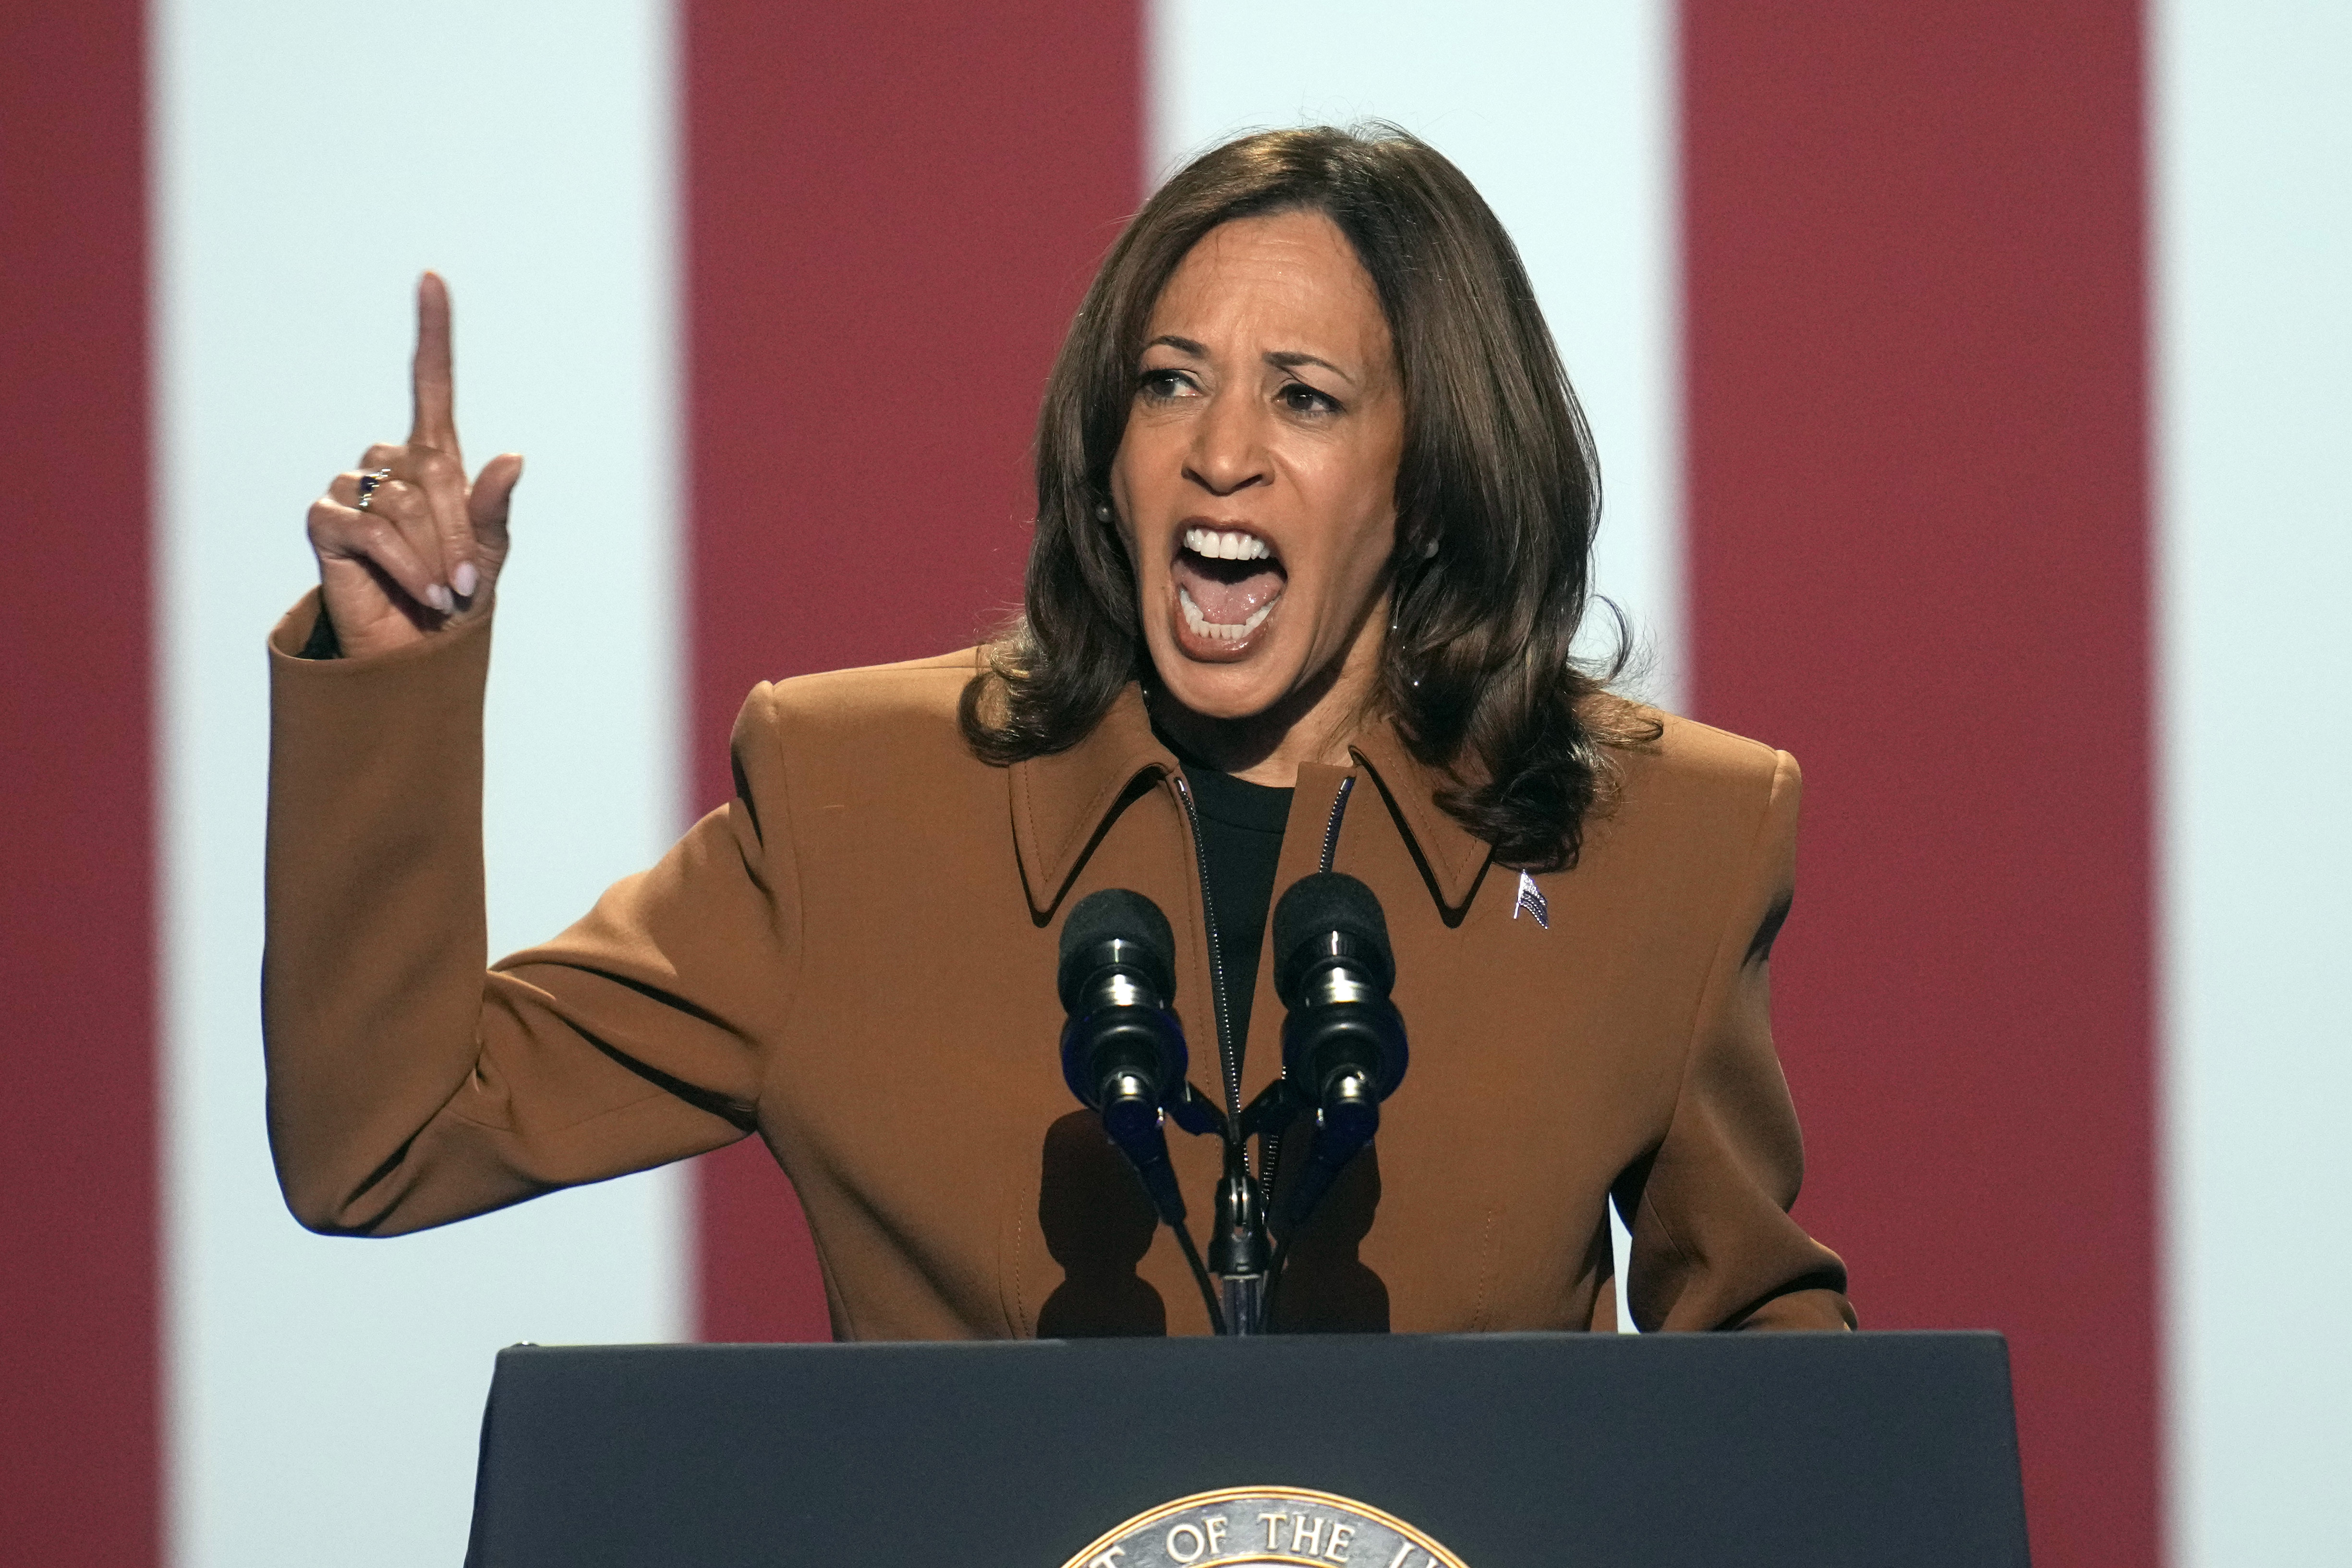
1163,384
1300,398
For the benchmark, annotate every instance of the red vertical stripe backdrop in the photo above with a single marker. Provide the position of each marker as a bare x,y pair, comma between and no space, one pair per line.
1918,546
892,212
79,1468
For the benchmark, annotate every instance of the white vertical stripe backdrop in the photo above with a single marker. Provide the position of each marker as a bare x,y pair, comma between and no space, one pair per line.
1563,115
308,161
2253,194
325,1395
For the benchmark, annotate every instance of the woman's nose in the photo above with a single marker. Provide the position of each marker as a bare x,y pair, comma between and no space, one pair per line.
1228,451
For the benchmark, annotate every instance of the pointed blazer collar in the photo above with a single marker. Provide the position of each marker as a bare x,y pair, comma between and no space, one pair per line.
1063,804
1064,801
1452,860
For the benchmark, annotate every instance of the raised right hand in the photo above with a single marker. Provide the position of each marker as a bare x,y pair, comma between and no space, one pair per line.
426,550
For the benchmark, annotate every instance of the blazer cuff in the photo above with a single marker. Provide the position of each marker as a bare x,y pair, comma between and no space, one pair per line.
295,640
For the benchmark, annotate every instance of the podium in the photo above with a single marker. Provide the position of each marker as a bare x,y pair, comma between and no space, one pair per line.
1489,1451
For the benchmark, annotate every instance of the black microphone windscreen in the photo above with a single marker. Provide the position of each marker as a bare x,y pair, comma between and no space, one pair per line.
1317,906
1115,914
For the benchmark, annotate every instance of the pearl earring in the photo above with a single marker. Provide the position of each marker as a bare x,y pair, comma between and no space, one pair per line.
1102,512
1429,548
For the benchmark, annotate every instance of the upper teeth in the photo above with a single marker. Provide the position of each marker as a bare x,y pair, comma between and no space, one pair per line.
1226,545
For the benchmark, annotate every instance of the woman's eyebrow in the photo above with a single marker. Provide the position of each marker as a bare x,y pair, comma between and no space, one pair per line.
1292,360
1285,359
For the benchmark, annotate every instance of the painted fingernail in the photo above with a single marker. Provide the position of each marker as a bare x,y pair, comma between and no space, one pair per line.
464,579
438,597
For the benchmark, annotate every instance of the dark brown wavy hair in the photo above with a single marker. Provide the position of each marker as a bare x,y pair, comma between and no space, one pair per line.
1498,471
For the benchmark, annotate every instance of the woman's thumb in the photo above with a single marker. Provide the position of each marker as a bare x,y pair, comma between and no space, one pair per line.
493,489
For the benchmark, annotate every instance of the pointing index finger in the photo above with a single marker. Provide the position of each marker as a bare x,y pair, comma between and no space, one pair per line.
436,421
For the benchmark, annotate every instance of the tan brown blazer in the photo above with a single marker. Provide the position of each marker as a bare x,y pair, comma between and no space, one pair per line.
855,959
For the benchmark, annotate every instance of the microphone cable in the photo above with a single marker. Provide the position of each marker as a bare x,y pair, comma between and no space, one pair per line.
1201,1276
1273,1277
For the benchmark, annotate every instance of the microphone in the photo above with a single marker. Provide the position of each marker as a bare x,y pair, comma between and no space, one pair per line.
1343,1043
1122,1050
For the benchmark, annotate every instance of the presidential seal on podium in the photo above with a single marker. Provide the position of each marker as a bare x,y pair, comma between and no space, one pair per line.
1242,1526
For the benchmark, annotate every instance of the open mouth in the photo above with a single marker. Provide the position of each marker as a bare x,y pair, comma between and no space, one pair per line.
1228,580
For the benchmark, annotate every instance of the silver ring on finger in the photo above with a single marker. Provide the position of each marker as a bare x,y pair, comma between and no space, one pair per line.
370,483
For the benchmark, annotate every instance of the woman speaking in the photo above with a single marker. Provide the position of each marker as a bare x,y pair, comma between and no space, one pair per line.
1315,509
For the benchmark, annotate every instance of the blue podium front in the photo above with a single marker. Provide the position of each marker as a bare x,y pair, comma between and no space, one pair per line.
1359,1451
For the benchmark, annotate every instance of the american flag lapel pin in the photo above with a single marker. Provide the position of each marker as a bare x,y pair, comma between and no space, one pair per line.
1531,901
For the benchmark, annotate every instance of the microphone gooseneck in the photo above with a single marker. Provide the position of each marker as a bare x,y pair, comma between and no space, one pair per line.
1123,1051
1343,1043
1343,1052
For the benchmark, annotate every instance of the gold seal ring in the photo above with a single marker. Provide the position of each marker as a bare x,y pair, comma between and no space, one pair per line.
1255,1527
370,483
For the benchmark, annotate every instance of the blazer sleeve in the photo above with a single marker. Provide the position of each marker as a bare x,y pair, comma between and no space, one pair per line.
407,1085
1713,1244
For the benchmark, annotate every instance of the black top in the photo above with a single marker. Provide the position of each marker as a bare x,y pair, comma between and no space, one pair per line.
1241,838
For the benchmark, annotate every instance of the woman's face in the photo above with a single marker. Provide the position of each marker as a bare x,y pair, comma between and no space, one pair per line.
1256,484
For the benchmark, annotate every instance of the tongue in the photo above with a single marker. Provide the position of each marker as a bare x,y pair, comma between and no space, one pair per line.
1228,592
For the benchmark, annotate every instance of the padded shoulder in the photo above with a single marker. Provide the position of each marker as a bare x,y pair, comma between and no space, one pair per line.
882,739
1687,746
902,700
1694,775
